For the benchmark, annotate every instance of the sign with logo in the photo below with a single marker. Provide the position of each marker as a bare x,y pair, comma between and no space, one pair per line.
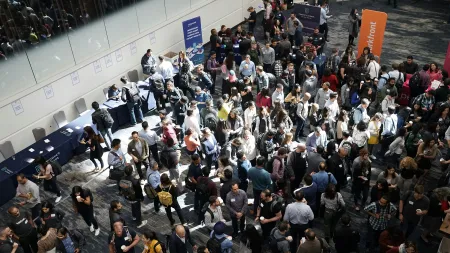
309,16
371,32
447,59
193,41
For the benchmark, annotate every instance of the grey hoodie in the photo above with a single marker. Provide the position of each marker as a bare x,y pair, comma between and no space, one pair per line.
321,97
310,86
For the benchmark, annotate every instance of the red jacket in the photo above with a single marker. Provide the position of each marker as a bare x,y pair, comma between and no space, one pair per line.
385,240
169,132
332,79
263,101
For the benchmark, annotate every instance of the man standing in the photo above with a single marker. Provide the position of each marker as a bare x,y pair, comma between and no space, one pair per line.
154,180
158,88
318,40
237,204
130,95
248,68
7,244
410,66
302,115
298,214
338,165
212,66
195,171
346,238
323,94
412,207
138,150
260,180
173,94
268,57
290,27
297,162
389,130
181,241
268,212
322,179
22,226
29,192
323,19
151,138
315,139
148,62
123,239
262,79
103,120
379,215
116,158
166,69
70,241
251,20
298,36
205,80
115,213
213,213
132,191
179,111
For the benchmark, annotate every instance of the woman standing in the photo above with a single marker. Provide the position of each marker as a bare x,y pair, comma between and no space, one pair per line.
283,118
82,203
228,66
235,124
236,100
353,26
408,171
263,122
397,147
333,203
435,73
392,178
249,147
50,217
412,140
48,174
442,119
167,196
210,148
426,153
288,143
93,142
250,115
374,130
263,98
361,135
361,183
342,125
380,189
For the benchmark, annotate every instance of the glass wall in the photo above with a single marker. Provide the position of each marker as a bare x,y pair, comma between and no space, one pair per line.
40,38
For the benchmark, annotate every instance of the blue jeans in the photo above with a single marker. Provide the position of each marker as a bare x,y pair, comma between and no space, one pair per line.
135,108
107,132
300,125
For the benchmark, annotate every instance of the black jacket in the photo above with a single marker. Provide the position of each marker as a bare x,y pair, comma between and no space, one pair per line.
177,246
97,119
346,239
136,186
336,167
244,46
113,217
78,240
179,112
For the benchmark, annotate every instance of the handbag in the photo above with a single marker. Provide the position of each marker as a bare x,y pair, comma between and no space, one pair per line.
189,185
374,139
116,174
149,190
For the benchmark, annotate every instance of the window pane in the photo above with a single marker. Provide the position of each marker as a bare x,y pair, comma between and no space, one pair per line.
150,13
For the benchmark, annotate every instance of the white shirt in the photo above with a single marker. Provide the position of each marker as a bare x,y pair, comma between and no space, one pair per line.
166,69
333,109
277,94
268,11
323,16
149,136
395,74
192,122
373,68
249,115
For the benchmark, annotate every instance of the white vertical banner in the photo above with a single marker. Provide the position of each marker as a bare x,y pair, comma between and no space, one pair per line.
119,56
152,38
48,90
75,78
108,60
97,66
17,107
133,47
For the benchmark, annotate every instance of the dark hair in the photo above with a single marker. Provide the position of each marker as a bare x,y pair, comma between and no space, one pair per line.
299,196
224,160
228,174
391,110
46,204
240,154
40,160
113,204
212,199
345,220
145,125
63,231
95,105
201,249
115,142
165,180
308,179
134,132
150,235
170,142
128,170
330,191
195,157
260,161
361,126
206,171
385,172
21,175
284,226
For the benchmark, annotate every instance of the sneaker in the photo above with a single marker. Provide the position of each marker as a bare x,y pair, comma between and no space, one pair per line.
92,228
97,231
143,223
58,199
373,157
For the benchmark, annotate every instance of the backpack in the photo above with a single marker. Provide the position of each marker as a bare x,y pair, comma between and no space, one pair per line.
277,199
56,168
211,121
444,180
414,84
166,161
355,99
132,93
258,140
351,120
331,63
214,245
205,209
399,82
185,80
127,189
108,121
202,187
165,197
163,247
269,164
272,79
273,242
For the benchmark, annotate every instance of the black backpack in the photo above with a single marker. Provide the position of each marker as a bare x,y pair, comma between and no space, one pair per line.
127,189
211,121
214,245
132,93
399,82
203,211
269,164
202,187
185,80
108,121
273,242
351,120
414,85
56,167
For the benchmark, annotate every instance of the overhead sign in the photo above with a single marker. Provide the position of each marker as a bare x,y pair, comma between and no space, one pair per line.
193,40
371,32
309,16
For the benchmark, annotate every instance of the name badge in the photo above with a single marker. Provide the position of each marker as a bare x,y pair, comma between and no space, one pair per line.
26,221
348,89
411,203
126,238
340,165
52,215
440,204
233,200
146,247
133,149
262,205
387,91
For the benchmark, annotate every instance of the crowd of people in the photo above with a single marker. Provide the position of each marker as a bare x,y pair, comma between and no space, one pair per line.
310,131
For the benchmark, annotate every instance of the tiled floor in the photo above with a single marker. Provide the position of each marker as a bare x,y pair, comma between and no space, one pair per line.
426,38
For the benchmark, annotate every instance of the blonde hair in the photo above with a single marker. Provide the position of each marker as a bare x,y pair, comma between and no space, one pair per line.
287,138
314,108
408,163
182,54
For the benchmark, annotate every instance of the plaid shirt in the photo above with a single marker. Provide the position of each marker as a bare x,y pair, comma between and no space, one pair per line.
278,69
426,102
381,223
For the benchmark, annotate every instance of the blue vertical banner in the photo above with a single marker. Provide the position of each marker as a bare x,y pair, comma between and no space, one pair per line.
309,16
193,40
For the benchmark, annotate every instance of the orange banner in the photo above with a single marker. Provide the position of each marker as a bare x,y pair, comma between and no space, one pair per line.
373,25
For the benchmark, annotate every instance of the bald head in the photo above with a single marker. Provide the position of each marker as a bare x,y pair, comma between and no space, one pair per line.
5,232
181,232
343,152
307,96
301,147
13,211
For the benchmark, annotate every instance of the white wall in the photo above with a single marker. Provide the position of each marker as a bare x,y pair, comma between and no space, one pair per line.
38,110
